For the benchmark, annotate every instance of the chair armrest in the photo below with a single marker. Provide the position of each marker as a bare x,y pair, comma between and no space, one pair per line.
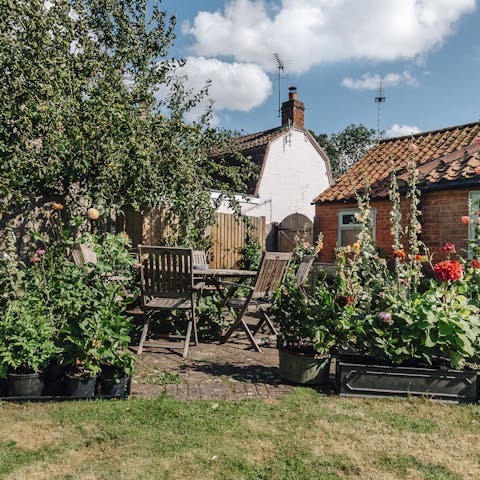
238,285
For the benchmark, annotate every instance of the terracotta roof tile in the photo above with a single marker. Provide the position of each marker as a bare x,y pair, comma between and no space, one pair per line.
448,154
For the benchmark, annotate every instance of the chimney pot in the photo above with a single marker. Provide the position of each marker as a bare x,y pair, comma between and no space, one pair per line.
293,110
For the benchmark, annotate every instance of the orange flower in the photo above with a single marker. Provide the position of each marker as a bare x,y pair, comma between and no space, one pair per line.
57,206
356,247
420,258
400,254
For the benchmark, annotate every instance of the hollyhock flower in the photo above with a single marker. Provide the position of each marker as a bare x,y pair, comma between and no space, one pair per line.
420,258
449,247
345,300
400,254
448,270
475,263
477,170
57,206
39,253
465,219
385,317
35,259
356,247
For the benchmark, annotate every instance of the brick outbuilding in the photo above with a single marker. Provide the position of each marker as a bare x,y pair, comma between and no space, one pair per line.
446,160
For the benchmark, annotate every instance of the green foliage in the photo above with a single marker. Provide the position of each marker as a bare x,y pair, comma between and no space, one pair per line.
92,113
347,147
251,255
27,336
76,312
211,320
307,319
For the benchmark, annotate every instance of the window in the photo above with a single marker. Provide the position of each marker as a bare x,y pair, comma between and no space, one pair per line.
474,206
349,228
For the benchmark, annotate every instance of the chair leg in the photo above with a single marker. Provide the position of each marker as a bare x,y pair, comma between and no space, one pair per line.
194,322
187,339
270,324
146,324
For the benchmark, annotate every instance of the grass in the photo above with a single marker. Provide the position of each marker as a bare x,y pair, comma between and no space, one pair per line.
303,436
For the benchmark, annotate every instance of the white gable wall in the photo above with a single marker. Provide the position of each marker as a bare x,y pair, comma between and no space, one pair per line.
293,174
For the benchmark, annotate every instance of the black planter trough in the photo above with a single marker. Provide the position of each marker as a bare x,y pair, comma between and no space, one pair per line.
363,376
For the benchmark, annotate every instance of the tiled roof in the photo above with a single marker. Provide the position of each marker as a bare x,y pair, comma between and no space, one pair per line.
443,156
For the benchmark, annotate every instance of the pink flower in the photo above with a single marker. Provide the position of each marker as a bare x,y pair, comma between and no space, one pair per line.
478,141
477,170
35,259
449,247
465,219
385,317
39,253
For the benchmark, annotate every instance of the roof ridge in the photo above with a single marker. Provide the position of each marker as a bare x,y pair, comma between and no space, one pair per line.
427,132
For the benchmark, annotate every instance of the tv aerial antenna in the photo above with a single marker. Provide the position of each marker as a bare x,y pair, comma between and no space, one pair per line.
281,71
379,99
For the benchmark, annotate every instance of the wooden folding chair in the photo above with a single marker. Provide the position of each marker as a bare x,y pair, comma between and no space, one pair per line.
271,271
166,281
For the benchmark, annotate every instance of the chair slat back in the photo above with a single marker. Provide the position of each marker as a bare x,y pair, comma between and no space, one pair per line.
304,269
200,258
166,272
272,270
82,254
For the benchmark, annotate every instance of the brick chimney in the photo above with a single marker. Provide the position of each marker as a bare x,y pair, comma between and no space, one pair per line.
293,110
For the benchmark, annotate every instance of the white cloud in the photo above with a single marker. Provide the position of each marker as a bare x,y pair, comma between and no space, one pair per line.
309,32
370,82
397,130
234,86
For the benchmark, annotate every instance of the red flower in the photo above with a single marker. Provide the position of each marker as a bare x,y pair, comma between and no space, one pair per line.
345,300
420,258
475,263
400,254
448,270
449,247
477,170
465,219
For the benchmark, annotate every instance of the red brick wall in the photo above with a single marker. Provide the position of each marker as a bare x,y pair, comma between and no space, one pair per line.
441,212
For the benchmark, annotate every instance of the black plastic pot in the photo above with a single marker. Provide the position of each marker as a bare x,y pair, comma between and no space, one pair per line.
362,376
113,387
54,380
302,368
24,385
79,386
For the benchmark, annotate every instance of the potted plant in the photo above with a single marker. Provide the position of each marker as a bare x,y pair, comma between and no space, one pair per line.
27,346
306,319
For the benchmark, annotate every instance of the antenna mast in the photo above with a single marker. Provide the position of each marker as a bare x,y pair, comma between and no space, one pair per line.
281,72
379,99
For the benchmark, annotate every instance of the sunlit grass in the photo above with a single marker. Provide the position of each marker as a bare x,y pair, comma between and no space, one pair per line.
303,436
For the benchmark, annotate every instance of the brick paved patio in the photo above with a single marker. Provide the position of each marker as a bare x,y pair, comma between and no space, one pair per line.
211,371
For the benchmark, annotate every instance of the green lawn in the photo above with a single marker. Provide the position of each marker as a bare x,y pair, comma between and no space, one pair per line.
303,436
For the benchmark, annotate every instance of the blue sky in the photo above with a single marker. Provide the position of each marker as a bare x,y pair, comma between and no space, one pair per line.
426,51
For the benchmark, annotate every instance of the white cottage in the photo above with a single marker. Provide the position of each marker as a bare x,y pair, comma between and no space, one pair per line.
293,169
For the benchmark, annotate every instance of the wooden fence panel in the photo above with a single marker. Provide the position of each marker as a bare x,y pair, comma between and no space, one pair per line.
228,235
